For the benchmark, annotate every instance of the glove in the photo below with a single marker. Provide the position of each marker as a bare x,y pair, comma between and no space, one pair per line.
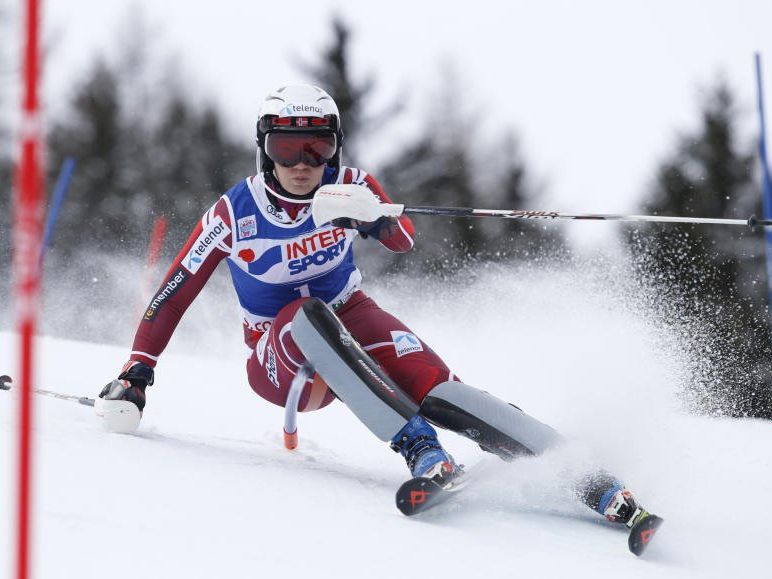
130,385
382,228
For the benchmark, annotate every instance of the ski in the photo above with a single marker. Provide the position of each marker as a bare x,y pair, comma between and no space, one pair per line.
420,494
643,532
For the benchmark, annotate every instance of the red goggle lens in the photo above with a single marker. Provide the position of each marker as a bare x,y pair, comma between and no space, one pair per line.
289,149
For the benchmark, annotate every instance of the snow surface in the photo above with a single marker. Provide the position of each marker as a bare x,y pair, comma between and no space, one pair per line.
206,489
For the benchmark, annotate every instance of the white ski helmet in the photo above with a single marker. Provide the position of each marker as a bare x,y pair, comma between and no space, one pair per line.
301,109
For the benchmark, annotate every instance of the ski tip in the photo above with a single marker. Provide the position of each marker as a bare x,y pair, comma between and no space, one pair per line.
642,533
416,495
5,381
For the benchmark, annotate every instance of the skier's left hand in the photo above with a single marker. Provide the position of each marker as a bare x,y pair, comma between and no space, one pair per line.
381,228
130,385
120,403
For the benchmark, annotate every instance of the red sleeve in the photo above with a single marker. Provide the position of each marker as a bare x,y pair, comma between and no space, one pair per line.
208,244
400,237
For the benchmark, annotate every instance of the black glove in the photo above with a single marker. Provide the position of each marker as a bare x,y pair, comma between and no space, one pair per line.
130,385
381,228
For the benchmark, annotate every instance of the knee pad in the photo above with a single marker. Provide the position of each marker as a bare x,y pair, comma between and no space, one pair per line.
497,426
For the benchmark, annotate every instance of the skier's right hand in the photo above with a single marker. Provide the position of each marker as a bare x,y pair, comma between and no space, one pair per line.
130,384
381,228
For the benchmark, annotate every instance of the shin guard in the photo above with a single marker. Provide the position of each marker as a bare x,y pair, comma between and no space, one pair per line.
496,426
350,372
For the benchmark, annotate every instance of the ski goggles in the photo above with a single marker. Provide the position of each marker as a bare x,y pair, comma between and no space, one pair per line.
289,149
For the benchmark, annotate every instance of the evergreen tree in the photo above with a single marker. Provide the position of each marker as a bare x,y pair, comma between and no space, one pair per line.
143,147
333,74
441,168
194,164
100,195
509,185
132,166
437,168
714,274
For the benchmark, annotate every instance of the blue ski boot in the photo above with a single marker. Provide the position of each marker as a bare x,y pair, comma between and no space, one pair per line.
609,497
424,455
618,505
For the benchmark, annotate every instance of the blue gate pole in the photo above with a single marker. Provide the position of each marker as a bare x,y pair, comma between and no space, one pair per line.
62,184
766,182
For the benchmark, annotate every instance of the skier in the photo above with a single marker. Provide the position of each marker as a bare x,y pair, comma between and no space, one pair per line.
290,272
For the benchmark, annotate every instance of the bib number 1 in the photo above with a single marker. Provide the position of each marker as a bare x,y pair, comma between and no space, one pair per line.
303,290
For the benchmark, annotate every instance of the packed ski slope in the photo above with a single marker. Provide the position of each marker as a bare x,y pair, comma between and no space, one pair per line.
206,489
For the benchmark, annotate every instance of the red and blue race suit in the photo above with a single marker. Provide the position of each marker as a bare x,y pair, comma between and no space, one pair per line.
278,256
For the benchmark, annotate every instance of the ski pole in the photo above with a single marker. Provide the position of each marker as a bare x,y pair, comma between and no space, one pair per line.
356,202
291,407
5,384
751,222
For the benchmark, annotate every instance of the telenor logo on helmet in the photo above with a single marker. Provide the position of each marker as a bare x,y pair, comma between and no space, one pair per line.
300,110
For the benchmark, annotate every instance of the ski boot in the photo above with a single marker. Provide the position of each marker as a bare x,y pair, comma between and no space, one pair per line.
424,455
610,498
618,505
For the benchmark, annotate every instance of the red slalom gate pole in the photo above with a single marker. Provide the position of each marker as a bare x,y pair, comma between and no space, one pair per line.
156,241
27,232
153,253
